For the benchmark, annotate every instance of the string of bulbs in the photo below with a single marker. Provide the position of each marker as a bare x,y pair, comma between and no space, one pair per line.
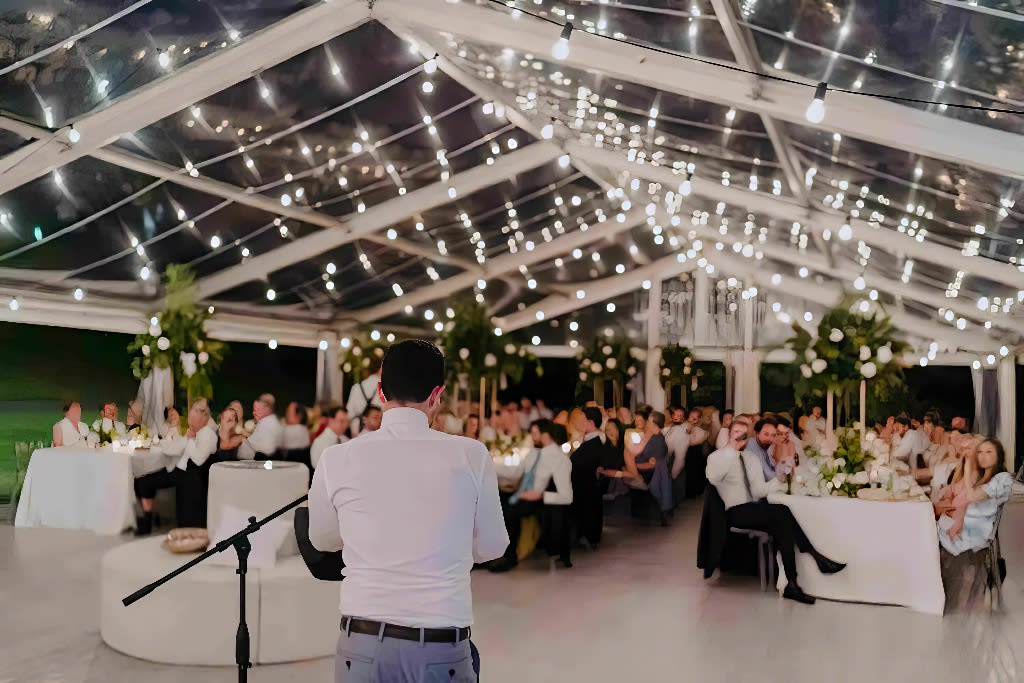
815,112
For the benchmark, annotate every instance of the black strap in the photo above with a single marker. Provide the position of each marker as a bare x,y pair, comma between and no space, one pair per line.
746,478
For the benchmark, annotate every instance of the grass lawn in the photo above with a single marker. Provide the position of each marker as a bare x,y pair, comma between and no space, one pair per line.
22,421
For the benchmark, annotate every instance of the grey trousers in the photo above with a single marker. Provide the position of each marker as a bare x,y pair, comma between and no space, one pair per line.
365,658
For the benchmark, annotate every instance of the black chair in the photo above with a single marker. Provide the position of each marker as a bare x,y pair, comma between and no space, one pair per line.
717,546
556,530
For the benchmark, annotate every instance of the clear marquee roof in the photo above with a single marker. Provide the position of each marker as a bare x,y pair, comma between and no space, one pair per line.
341,165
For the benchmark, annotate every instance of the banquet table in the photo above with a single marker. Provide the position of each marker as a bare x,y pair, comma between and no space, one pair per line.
891,551
84,488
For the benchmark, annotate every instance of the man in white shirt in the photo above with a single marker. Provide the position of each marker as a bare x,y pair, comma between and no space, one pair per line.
911,442
543,411
412,509
528,414
678,440
363,395
371,420
71,431
737,476
544,464
265,439
109,412
295,433
187,457
331,436
722,440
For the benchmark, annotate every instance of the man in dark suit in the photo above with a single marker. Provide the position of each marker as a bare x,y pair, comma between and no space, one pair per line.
588,503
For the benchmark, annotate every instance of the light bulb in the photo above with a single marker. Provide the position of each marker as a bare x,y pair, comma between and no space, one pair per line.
73,135
859,283
430,66
79,294
271,295
563,161
816,109
14,305
560,50
685,188
272,344
548,131
163,59
845,232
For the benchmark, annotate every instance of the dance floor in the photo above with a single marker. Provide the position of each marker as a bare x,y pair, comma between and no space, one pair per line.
637,609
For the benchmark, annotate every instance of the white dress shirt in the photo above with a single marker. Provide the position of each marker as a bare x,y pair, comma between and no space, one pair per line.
367,389
70,435
678,441
321,443
697,436
722,440
416,508
915,441
724,473
265,439
553,465
294,437
198,449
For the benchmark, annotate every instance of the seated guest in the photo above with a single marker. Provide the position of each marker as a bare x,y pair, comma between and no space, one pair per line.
109,412
587,502
648,460
71,431
678,439
320,416
336,432
243,425
695,455
171,426
228,438
365,394
511,424
815,428
910,442
471,427
737,475
958,424
760,446
723,432
371,419
295,434
133,421
967,512
794,448
543,411
192,452
939,460
528,414
615,458
265,438
544,464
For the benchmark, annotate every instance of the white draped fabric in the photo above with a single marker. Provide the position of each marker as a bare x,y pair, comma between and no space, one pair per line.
83,488
747,380
156,392
891,551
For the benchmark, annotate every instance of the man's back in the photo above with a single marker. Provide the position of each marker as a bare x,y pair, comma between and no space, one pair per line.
425,492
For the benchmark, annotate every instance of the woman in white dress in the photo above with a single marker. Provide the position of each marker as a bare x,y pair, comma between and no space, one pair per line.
70,431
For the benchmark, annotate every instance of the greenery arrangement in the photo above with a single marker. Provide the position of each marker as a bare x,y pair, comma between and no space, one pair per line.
849,346
677,367
473,349
177,338
104,429
358,357
608,359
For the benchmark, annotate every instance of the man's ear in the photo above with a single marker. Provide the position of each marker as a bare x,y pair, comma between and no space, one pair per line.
380,393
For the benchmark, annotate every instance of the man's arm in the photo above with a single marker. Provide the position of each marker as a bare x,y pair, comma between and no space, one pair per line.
562,477
490,538
717,468
323,516
759,488
203,446
903,450
58,436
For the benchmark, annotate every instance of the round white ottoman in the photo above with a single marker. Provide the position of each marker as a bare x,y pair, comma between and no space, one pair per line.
193,618
259,488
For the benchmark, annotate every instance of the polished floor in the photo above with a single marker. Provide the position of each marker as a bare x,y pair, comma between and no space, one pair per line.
637,609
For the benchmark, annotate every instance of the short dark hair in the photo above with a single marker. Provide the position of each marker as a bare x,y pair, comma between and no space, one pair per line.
784,422
546,426
764,422
658,418
644,411
595,415
339,409
411,370
728,411
67,406
370,409
903,420
168,409
693,410
302,411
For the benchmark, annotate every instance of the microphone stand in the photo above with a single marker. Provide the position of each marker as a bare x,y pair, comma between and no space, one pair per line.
240,542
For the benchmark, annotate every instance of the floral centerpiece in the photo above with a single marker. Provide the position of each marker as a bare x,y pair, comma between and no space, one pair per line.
177,338
105,431
607,359
473,349
840,466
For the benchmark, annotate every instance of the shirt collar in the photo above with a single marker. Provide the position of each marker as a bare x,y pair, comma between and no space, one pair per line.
402,415
592,435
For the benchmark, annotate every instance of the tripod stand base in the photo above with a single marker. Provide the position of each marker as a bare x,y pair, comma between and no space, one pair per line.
192,620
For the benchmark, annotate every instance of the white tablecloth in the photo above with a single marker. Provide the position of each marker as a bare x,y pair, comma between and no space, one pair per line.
891,551
82,488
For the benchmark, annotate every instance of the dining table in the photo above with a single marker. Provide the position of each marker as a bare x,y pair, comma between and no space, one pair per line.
78,487
891,550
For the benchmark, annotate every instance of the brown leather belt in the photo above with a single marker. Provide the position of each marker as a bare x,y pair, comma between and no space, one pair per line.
425,635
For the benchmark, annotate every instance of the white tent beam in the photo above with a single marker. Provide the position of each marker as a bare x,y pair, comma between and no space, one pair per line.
759,202
864,118
595,292
378,217
257,201
161,98
507,263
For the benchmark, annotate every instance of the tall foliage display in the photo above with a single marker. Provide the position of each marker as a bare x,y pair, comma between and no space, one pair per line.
177,338
473,350
849,346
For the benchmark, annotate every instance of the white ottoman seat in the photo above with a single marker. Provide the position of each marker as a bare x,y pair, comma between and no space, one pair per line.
193,618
